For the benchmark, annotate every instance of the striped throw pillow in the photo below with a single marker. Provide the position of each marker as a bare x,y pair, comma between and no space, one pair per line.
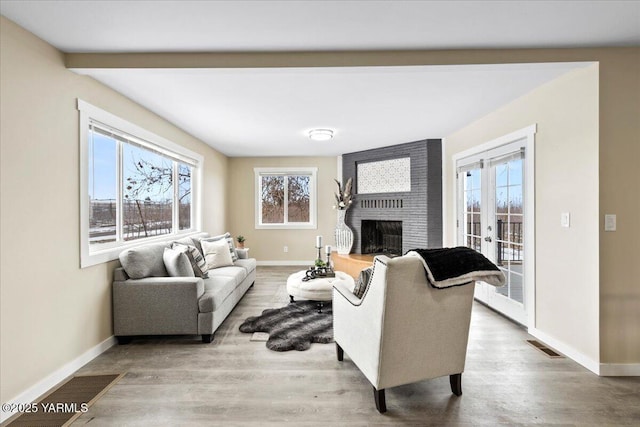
198,262
362,282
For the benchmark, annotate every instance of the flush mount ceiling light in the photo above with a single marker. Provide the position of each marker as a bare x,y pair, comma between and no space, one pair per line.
320,134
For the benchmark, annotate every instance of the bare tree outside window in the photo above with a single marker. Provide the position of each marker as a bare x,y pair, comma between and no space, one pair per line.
285,198
298,191
148,193
272,199
184,196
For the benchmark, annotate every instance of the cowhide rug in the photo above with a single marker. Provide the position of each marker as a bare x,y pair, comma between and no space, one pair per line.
293,327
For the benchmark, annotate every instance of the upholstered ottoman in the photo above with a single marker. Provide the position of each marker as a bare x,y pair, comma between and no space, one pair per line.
318,289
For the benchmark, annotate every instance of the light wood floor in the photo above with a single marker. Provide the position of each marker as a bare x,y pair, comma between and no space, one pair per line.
233,381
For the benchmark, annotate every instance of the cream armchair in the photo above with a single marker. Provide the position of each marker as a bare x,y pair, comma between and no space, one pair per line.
403,330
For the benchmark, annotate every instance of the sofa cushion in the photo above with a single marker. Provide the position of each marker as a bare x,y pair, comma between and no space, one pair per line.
177,263
248,264
196,259
144,261
238,274
216,253
216,291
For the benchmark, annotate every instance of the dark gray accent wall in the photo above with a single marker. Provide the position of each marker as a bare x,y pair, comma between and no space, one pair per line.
420,210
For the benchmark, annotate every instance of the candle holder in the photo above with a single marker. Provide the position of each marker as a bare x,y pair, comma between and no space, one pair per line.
320,268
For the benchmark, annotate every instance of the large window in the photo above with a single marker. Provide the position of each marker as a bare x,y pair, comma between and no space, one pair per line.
285,198
135,186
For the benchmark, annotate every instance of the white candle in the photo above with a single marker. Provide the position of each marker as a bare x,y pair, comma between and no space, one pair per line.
328,249
318,241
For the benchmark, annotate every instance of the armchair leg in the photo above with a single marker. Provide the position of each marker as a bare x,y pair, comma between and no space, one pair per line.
456,384
381,404
339,352
207,338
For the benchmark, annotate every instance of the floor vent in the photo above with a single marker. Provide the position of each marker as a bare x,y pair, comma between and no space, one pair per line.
543,348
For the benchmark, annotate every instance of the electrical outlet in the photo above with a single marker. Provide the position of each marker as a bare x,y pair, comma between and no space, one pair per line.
609,222
565,219
286,249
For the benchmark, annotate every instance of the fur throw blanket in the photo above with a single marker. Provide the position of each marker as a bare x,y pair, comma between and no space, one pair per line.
448,267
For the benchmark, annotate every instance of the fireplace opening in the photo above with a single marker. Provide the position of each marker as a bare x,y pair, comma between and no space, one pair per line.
381,237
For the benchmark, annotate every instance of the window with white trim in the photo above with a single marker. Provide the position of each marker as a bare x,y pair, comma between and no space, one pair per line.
286,197
135,186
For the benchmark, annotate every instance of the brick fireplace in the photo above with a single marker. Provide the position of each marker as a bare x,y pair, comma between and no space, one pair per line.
394,222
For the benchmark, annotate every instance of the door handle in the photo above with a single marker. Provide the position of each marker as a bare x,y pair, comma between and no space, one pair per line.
487,239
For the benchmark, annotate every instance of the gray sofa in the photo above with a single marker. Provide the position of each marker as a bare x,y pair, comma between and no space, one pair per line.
161,305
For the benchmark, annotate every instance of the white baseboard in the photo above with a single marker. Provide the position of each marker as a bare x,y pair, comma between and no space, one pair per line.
620,369
306,263
41,387
570,352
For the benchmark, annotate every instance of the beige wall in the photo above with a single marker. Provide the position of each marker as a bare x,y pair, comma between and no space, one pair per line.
51,310
620,195
267,245
566,176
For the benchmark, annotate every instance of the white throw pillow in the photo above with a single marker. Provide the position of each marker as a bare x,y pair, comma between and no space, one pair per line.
177,263
216,253
229,239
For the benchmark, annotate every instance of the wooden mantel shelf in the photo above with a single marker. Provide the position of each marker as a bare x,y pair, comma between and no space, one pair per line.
351,264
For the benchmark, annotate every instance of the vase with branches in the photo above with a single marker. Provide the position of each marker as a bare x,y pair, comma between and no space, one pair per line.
344,197
343,234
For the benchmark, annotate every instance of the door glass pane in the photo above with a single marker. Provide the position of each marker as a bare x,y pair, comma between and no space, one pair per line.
469,200
515,172
509,233
501,199
516,288
501,175
472,217
475,178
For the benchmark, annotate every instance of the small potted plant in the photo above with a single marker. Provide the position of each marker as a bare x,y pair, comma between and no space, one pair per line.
240,239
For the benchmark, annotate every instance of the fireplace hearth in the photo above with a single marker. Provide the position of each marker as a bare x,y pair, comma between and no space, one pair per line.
381,237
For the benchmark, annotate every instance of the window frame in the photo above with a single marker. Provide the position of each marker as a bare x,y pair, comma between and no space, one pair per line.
109,251
313,197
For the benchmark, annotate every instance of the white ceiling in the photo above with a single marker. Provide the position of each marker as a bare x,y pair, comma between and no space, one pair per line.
263,112
171,26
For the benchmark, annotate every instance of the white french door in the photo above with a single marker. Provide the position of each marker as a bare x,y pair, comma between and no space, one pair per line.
492,218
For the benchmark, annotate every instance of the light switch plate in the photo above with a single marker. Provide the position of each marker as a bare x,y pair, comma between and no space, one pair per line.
609,222
565,219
